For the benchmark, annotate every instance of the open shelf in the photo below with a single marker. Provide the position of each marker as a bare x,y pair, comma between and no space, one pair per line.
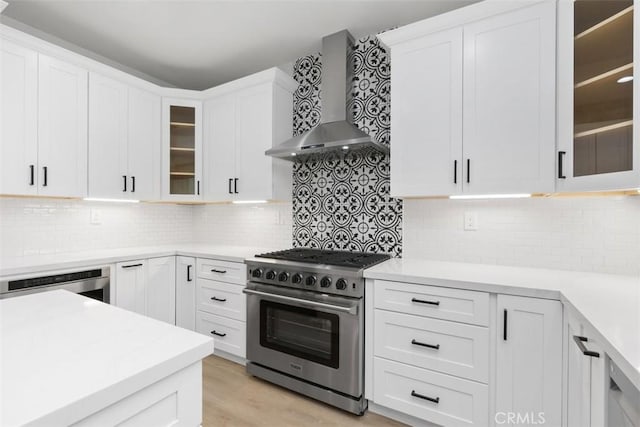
182,174
186,149
183,124
615,74
586,131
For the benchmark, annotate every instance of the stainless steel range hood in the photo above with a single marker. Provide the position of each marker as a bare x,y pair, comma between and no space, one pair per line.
335,132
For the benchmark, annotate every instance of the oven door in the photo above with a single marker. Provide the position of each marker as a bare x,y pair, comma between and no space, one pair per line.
311,336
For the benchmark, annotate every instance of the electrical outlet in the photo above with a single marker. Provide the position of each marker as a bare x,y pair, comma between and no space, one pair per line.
470,221
96,217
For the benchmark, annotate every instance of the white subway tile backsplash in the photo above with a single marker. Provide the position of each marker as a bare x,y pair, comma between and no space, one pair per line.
600,234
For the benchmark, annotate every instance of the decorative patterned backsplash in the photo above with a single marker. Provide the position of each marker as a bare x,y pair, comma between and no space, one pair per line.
343,202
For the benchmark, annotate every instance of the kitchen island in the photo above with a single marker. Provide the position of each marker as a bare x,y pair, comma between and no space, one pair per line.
66,359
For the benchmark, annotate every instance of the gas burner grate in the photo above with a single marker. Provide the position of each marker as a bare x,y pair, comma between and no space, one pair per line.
336,258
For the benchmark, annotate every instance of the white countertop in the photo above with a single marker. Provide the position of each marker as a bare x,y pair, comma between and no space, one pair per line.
64,356
610,304
17,266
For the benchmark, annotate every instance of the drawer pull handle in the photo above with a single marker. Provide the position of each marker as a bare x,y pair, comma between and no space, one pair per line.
213,270
435,346
219,299
579,341
131,265
218,334
422,301
422,396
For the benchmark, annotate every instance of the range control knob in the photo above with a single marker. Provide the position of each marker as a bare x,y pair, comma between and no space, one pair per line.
341,284
270,275
296,279
257,273
311,280
283,277
325,282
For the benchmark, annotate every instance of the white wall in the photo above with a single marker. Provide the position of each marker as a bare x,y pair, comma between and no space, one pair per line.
260,225
45,226
586,234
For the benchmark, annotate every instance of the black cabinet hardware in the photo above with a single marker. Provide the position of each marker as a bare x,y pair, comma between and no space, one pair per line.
133,184
504,325
213,270
561,155
219,299
230,180
580,342
422,301
124,182
468,171
198,187
189,279
455,171
422,396
131,265
218,334
44,169
435,346
235,185
31,175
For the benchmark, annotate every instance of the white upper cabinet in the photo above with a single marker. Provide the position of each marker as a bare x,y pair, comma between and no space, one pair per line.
62,128
124,141
18,120
598,110
474,108
243,119
181,149
43,125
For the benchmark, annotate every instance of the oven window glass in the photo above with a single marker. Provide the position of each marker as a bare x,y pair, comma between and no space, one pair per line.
301,332
95,294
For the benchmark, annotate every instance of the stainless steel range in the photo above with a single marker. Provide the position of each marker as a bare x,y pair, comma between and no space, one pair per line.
305,322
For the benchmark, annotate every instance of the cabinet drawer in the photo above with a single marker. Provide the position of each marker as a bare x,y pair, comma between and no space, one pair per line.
231,272
459,402
223,299
234,333
433,301
461,350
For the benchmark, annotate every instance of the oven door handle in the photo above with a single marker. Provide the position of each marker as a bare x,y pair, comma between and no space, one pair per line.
304,302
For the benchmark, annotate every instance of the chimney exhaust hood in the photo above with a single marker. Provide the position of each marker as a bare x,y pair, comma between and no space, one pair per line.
334,133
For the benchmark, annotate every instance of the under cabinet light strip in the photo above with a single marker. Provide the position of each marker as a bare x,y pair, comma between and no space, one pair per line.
490,196
246,202
99,199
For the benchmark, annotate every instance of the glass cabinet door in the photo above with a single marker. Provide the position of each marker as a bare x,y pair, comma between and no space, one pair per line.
182,150
603,87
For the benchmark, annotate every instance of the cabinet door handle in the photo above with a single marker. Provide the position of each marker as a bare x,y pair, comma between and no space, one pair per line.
189,279
213,270
230,179
455,171
124,183
422,396
504,325
580,342
235,185
468,171
561,174
32,177
218,334
198,187
131,265
422,301
44,170
435,346
133,184
218,299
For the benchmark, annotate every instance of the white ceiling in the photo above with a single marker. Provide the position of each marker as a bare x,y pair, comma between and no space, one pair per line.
200,44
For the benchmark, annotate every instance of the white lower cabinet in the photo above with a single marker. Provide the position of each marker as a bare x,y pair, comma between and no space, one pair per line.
147,287
186,292
456,357
529,359
221,305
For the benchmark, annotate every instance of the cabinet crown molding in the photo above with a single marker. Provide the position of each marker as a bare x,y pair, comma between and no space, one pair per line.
270,75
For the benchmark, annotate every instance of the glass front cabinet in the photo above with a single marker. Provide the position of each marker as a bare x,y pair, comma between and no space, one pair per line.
598,146
182,149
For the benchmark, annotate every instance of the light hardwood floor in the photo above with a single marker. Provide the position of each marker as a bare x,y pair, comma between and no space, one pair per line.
231,397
